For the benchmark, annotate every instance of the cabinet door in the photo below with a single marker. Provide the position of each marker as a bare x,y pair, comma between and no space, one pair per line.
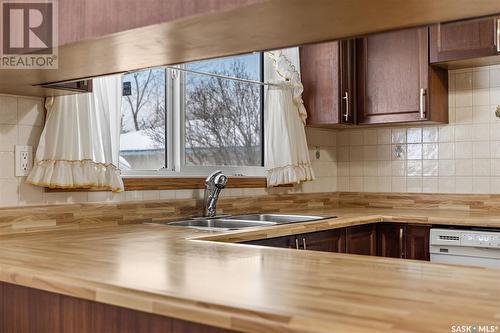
328,76
466,39
348,82
283,242
417,242
391,240
393,76
327,241
319,65
362,240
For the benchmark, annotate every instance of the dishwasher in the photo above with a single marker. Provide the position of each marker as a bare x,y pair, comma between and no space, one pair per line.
471,247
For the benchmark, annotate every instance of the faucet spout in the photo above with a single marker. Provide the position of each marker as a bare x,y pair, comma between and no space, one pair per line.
214,184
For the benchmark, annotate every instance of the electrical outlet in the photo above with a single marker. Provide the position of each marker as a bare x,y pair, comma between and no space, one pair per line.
318,153
23,160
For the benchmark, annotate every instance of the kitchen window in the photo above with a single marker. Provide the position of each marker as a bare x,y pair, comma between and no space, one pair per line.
193,119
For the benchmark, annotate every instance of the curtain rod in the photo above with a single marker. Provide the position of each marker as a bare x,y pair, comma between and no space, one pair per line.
221,76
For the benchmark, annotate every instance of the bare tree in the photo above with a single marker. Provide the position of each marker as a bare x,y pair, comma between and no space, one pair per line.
146,91
223,125
223,120
155,127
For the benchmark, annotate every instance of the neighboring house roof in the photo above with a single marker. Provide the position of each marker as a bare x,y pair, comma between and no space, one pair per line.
136,141
123,164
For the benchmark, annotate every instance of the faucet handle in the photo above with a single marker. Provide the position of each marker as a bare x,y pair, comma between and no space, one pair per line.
220,181
211,177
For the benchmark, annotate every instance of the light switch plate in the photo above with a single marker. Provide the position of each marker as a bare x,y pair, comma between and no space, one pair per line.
23,160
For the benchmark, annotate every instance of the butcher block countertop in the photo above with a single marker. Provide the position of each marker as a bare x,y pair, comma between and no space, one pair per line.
182,273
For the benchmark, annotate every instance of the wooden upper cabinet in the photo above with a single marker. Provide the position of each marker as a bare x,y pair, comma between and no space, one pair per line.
396,83
466,39
327,72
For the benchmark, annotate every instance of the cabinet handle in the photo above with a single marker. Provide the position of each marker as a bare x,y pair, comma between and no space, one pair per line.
422,103
304,243
297,243
497,39
401,254
346,98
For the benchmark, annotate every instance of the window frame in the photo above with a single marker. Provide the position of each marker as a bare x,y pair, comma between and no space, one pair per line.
175,135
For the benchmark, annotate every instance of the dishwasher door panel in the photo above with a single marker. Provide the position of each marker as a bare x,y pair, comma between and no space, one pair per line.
465,260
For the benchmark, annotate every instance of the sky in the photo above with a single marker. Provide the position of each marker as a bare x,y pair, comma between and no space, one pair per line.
252,62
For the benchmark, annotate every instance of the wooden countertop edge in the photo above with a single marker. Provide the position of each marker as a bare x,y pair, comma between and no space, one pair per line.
340,222
228,316
288,229
193,310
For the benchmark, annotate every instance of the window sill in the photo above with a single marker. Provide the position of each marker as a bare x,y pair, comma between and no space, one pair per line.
175,183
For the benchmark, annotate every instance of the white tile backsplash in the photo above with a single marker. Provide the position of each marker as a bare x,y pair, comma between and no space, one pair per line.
463,167
463,115
7,165
383,136
430,151
430,185
460,157
481,114
463,81
463,150
22,119
463,98
398,184
430,168
414,184
370,137
30,111
8,110
430,134
399,135
481,79
414,135
463,185
480,97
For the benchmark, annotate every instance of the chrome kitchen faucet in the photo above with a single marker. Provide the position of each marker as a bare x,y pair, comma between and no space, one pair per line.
213,186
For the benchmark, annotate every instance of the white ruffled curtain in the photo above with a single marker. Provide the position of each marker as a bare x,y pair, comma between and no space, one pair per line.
79,146
286,152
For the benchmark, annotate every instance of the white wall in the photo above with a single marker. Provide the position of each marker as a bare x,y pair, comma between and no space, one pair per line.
21,122
462,157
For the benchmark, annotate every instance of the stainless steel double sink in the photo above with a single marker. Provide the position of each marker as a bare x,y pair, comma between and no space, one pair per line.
238,222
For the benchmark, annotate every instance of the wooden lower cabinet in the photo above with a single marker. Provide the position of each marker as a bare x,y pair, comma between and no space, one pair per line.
362,239
417,241
391,240
328,241
395,240
286,242
401,240
28,310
